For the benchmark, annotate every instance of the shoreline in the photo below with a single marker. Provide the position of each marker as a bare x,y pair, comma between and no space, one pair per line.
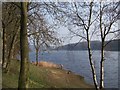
68,72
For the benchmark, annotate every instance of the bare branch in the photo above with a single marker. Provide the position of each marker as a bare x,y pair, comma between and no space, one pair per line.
114,31
90,15
16,5
80,17
77,34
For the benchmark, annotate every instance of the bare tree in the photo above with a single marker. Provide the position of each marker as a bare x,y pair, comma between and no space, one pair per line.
84,22
108,17
41,31
42,37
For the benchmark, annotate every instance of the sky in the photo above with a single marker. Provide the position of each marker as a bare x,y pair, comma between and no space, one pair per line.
66,36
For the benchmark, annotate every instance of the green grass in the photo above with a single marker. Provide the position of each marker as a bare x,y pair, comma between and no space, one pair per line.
41,77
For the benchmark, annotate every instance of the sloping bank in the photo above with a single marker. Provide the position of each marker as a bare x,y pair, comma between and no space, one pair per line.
44,77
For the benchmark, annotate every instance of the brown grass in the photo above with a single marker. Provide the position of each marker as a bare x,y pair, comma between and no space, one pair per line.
48,64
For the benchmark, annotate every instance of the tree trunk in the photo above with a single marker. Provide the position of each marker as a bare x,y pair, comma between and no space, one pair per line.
11,51
23,76
4,57
36,57
102,66
91,63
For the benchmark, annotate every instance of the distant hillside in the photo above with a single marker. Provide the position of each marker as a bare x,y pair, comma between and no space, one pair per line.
95,45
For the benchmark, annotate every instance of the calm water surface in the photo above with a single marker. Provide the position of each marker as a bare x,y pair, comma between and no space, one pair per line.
77,61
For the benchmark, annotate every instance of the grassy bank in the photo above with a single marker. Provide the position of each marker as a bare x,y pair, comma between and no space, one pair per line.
42,77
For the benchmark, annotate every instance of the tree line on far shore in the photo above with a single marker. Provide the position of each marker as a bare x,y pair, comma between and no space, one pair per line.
95,45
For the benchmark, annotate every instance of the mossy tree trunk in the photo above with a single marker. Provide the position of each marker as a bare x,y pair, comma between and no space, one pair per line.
23,77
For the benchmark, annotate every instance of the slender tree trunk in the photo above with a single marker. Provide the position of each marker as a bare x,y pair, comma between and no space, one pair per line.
8,60
4,57
102,51
23,77
102,66
36,57
11,51
91,63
